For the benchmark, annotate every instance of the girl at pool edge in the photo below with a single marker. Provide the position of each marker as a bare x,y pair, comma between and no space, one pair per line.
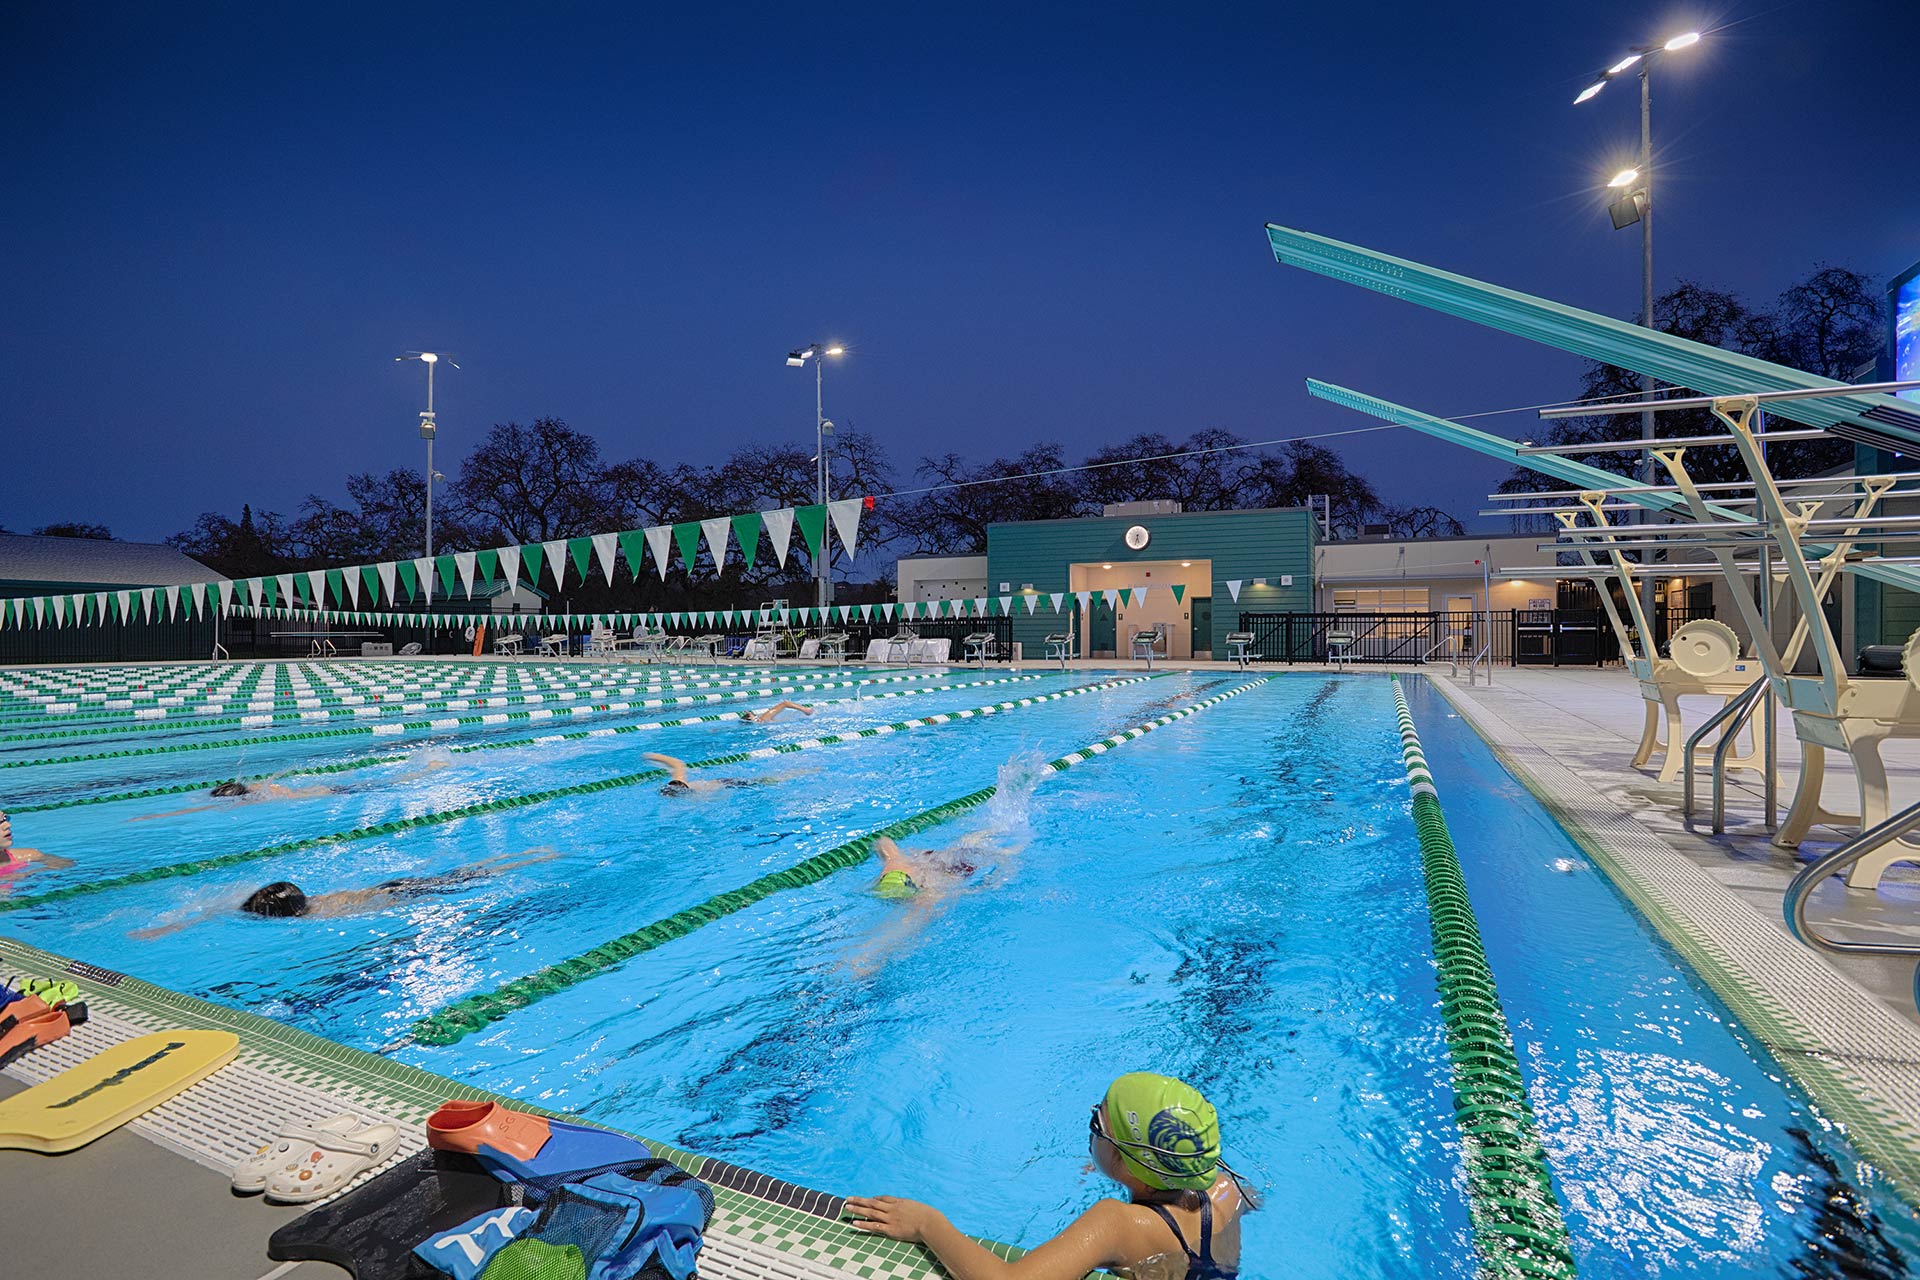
1155,1136
16,858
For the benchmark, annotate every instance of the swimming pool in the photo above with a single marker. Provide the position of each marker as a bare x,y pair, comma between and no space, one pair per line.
1234,898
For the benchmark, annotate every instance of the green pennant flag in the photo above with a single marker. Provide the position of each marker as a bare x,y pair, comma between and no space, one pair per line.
632,546
337,584
580,551
445,568
813,526
686,536
487,562
746,532
409,578
1179,590
1126,595
532,558
370,582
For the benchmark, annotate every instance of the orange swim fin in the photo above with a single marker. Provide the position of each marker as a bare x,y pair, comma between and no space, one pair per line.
467,1126
31,1031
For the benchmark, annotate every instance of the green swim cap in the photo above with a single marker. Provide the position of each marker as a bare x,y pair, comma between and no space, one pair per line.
1167,1134
895,884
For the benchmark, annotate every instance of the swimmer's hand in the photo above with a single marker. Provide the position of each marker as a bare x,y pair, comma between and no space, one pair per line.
893,1217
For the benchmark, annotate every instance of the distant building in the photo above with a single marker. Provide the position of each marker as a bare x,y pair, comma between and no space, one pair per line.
36,566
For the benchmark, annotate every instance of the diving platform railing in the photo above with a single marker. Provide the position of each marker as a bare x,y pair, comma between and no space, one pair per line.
1841,861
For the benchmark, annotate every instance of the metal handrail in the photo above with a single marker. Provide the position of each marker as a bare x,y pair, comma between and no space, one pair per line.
1832,864
220,651
1741,705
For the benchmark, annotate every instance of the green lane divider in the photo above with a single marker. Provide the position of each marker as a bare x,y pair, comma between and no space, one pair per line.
1516,1219
176,870
346,766
446,723
462,1018
365,711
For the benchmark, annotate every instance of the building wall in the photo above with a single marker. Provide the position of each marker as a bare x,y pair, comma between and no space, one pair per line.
941,578
1270,544
183,638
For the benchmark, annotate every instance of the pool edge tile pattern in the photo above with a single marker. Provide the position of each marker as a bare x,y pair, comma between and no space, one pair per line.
1517,1223
762,1225
1857,1061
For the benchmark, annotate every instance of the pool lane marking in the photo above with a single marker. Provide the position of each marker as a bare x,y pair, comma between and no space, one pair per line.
378,710
463,1017
1517,1223
393,728
433,818
347,766
290,702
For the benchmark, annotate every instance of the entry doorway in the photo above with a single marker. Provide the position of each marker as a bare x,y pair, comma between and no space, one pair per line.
1108,631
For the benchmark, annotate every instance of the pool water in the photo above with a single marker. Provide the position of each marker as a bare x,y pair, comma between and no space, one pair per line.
1234,898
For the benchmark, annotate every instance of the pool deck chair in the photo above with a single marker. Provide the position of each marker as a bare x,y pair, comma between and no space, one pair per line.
1240,648
1060,645
1831,711
977,645
1704,657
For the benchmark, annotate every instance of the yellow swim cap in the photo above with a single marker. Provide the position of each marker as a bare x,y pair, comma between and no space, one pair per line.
895,884
1168,1135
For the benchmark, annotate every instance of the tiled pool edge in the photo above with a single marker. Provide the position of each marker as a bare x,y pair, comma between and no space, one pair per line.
1779,990
757,1212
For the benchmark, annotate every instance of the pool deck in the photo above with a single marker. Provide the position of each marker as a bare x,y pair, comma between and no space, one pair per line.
152,1199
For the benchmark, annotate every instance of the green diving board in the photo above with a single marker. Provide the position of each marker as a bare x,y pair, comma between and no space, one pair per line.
1906,577
1867,417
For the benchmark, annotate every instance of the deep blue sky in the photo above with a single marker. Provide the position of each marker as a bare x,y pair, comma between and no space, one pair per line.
221,222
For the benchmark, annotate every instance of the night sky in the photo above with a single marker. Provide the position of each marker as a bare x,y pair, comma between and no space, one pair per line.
221,223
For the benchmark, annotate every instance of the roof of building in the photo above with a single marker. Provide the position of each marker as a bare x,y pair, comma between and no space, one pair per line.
96,561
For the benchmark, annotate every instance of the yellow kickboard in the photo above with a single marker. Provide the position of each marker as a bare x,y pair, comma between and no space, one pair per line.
111,1088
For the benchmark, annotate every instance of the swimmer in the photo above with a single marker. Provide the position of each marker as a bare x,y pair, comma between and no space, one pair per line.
772,712
904,875
284,898
680,785
1155,1136
238,790
14,857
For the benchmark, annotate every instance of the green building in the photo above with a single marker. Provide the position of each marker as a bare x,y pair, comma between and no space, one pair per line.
1223,562
36,566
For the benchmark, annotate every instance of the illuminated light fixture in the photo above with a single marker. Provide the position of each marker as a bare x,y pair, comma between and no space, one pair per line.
1623,177
823,466
1589,91
1186,564
1624,63
1682,41
836,351
1106,566
795,359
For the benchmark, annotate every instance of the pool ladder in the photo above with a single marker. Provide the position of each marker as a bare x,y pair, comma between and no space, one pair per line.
1735,716
1836,863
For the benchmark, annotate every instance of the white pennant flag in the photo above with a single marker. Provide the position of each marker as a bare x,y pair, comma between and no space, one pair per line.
1112,596
510,566
606,546
866,613
1084,597
351,577
464,564
172,598
716,533
256,591
146,604
39,611
846,520
1139,595
887,609
423,570
126,603
1233,588
317,583
1033,602
556,556
284,582
386,571
99,607
59,611
980,607
1056,597
659,541
1006,606
779,532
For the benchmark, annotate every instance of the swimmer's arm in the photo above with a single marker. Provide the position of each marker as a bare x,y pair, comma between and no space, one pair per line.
677,768
162,930
1093,1241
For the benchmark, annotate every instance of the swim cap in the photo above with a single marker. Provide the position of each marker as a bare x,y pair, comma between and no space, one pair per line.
895,884
234,788
1167,1134
281,898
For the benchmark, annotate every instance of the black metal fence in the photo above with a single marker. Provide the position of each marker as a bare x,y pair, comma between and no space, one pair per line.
1555,637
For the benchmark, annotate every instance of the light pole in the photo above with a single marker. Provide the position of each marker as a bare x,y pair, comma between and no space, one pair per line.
1636,205
818,353
427,429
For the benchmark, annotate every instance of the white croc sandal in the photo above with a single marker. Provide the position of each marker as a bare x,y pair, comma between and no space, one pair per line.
323,1163
250,1175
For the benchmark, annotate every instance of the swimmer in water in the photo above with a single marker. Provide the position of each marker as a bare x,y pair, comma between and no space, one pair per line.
14,858
680,785
238,790
908,875
772,712
284,898
1160,1140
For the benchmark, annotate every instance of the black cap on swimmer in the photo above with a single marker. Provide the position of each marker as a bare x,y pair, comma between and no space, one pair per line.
281,898
675,787
234,788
